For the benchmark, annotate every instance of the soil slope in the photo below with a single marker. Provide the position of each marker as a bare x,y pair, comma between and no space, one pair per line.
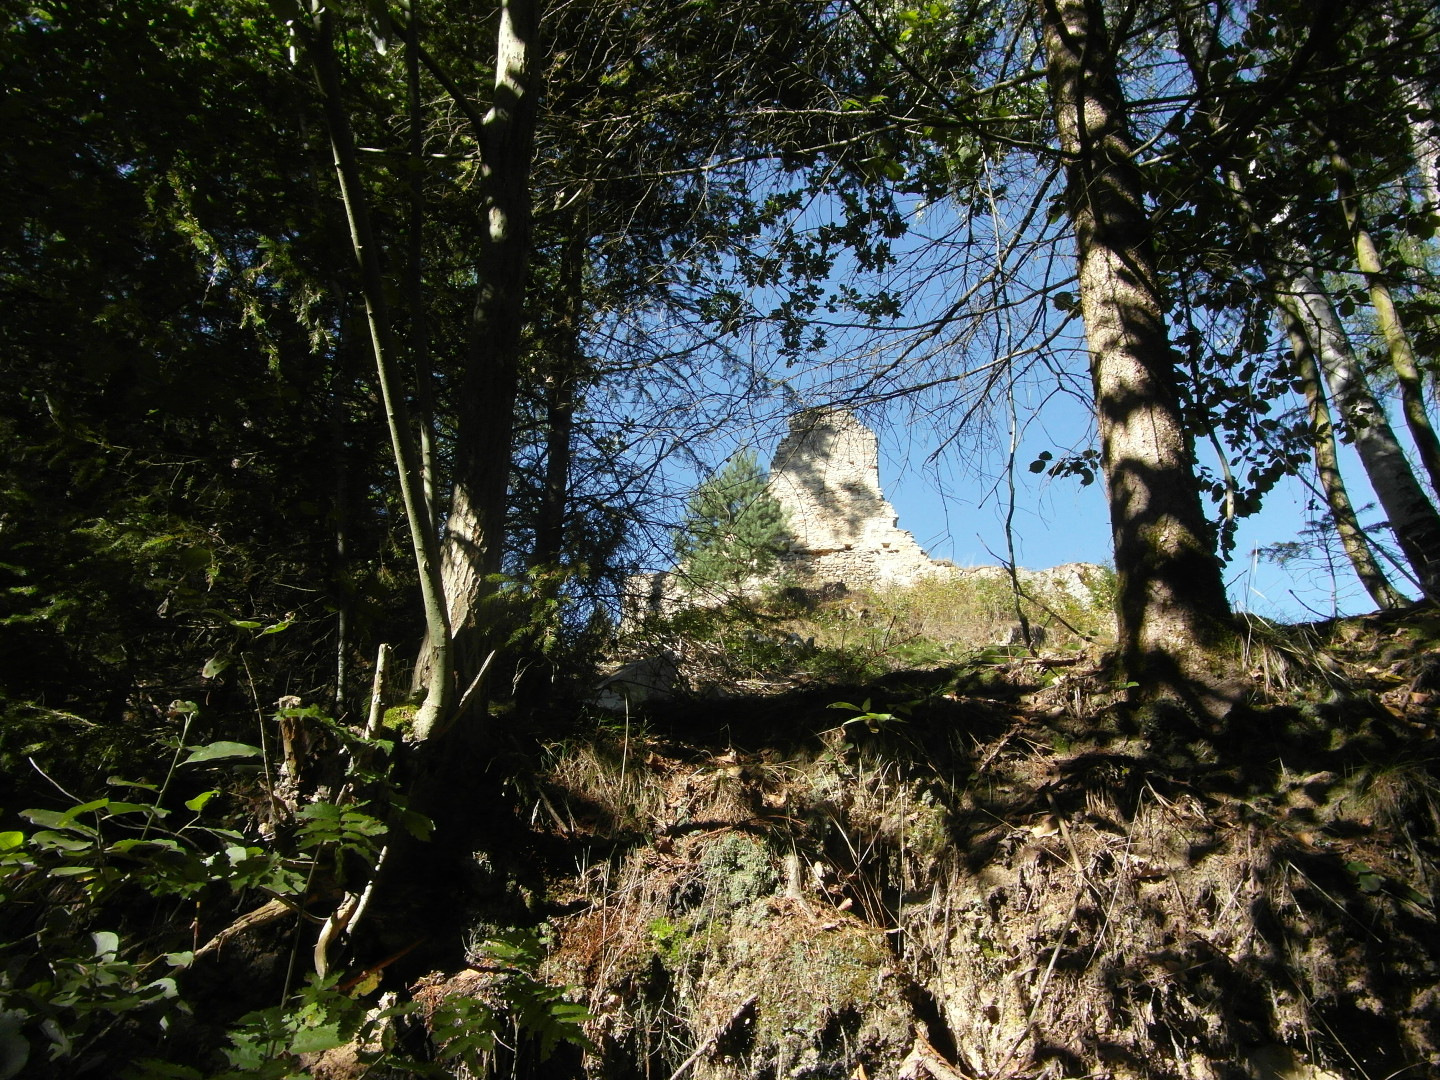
1001,870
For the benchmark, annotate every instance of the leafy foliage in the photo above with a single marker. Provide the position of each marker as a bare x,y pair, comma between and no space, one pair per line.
77,960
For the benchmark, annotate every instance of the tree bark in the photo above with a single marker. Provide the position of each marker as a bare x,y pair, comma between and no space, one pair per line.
560,385
415,270
1424,143
1303,344
474,530
439,681
1171,604
1392,328
1327,466
1412,516
1424,127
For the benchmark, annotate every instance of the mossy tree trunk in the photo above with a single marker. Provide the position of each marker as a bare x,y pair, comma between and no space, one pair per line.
1392,327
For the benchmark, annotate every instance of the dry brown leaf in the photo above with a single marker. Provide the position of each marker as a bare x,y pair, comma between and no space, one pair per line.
1048,825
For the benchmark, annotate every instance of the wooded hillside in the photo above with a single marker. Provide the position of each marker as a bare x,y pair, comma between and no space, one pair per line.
354,349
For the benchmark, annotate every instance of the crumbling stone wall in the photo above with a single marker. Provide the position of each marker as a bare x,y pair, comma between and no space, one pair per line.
843,531
826,473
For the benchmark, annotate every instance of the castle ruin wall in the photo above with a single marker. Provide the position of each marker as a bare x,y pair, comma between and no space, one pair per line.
826,474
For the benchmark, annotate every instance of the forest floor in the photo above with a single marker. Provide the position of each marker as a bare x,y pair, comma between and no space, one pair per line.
996,868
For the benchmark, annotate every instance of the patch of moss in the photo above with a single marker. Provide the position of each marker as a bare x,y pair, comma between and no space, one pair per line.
677,942
401,718
739,870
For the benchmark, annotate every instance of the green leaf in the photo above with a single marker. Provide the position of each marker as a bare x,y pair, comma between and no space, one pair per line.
120,781
85,808
13,838
54,841
14,1047
107,944
198,802
218,752
124,847
416,824
152,1069
51,819
314,1040
214,666
116,808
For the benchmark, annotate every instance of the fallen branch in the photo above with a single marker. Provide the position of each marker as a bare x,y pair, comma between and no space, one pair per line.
718,1034
261,916
925,1063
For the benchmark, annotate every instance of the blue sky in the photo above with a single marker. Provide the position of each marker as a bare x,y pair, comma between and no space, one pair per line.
1058,521
985,340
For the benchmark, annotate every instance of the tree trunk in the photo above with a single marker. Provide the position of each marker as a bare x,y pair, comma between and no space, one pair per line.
1327,465
439,682
560,387
1420,118
1411,514
474,529
1425,144
1305,337
1171,603
1392,328
415,270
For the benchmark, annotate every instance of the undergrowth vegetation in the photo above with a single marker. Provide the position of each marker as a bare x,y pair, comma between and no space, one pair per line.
1000,869
790,634
985,862
116,913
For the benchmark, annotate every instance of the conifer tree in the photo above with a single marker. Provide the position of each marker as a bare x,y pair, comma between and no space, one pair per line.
734,528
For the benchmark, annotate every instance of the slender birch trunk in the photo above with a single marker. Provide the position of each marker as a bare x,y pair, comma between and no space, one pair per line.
1424,144
1392,327
415,272
475,526
1171,603
1412,516
1303,340
1327,465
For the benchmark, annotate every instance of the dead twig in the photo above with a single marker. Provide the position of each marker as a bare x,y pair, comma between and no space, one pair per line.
715,1036
924,1062
263,915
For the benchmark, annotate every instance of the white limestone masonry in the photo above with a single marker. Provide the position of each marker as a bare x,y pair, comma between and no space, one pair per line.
843,531
826,473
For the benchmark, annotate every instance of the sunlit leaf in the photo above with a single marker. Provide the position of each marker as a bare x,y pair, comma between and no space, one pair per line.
220,752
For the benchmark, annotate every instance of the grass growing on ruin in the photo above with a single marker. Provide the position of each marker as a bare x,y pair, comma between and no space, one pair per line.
981,607
791,635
